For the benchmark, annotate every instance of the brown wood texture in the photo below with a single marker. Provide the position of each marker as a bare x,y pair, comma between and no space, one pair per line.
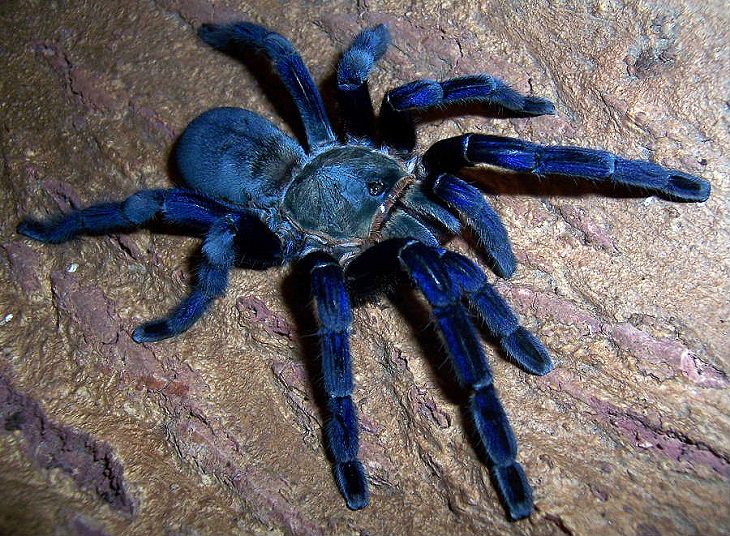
217,431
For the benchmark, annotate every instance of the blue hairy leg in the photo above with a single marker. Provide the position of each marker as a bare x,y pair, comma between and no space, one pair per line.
434,278
481,89
183,208
469,202
239,37
521,347
377,266
211,280
341,432
352,73
567,161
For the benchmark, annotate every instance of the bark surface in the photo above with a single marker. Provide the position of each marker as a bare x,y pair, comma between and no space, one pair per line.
218,431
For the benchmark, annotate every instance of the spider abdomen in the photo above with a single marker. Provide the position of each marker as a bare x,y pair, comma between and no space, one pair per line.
238,156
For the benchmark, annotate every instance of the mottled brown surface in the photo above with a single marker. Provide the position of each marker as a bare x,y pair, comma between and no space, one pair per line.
215,432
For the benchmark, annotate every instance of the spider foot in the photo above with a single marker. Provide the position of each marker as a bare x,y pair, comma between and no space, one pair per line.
47,232
184,315
227,36
535,106
668,184
481,218
687,188
152,331
527,351
357,62
512,485
353,483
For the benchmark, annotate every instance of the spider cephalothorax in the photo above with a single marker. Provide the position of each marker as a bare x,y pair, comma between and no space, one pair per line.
359,212
345,193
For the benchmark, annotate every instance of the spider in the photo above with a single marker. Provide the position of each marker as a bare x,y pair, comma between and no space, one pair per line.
358,216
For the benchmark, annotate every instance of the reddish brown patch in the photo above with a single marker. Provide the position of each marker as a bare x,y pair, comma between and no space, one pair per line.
90,463
253,311
592,232
206,443
63,194
95,91
642,431
424,405
23,263
671,356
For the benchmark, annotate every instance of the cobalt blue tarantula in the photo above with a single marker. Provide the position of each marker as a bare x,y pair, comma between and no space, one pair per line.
358,215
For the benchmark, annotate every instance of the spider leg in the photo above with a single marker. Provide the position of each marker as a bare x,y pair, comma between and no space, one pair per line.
341,432
237,37
368,273
179,207
433,278
469,202
399,104
211,280
352,72
567,161
176,206
520,346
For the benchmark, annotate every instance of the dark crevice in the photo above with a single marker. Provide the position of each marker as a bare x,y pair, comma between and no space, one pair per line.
90,463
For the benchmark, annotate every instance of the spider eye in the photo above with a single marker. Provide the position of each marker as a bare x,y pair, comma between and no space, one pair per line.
376,188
